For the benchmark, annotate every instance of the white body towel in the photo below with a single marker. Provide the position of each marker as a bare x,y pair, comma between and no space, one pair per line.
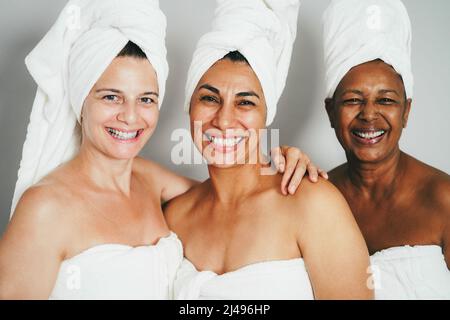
418,272
117,271
268,280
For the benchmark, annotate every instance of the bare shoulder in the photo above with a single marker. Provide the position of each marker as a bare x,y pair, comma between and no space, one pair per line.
433,186
146,167
169,184
331,243
35,240
45,203
179,207
323,212
321,199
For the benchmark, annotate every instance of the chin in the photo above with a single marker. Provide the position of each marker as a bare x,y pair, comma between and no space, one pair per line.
369,156
123,154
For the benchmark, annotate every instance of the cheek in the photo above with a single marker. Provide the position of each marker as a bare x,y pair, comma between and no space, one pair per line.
395,119
150,116
344,119
202,114
255,119
95,114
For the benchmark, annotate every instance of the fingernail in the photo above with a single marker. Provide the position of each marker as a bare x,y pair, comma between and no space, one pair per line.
291,189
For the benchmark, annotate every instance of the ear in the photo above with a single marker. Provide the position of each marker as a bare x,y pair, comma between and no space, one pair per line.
329,106
406,112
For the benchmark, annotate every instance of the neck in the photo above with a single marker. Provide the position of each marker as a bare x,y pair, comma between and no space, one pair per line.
230,186
379,178
103,171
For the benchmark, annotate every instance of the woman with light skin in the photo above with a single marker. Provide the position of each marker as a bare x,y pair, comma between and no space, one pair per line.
401,205
93,228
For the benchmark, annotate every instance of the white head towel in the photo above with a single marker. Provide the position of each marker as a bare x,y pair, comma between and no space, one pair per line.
263,31
67,62
358,31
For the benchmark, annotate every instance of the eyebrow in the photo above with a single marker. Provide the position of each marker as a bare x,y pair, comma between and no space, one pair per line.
210,88
118,91
246,94
388,91
240,94
355,91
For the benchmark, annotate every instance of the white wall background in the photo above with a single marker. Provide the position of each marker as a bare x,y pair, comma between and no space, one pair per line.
301,117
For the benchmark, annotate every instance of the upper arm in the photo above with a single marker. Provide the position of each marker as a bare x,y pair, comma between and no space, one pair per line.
30,250
175,185
333,247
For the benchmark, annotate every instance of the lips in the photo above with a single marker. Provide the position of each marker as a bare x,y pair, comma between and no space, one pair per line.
368,136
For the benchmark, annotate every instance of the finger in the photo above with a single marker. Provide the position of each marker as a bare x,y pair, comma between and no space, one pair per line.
284,150
312,172
275,155
297,178
323,174
286,178
293,156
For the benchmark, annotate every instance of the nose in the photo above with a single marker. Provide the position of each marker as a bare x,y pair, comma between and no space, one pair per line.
225,116
128,113
368,111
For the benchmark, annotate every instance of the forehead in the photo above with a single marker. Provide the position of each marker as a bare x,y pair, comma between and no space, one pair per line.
370,76
227,73
126,69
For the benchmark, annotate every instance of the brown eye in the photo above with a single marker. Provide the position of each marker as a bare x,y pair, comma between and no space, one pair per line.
209,99
386,101
111,98
147,100
246,103
353,101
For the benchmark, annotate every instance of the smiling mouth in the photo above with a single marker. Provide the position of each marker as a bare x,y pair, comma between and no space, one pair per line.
368,135
124,135
222,143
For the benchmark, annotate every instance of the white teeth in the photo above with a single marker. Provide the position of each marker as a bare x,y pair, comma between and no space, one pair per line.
122,135
369,135
227,142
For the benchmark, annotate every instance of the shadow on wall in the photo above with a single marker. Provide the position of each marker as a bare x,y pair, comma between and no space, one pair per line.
17,90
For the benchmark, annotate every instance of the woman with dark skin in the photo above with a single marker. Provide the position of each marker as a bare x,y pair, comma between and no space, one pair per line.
401,205
396,199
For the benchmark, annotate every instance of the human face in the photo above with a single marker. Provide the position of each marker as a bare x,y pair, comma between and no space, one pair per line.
229,105
121,111
369,111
